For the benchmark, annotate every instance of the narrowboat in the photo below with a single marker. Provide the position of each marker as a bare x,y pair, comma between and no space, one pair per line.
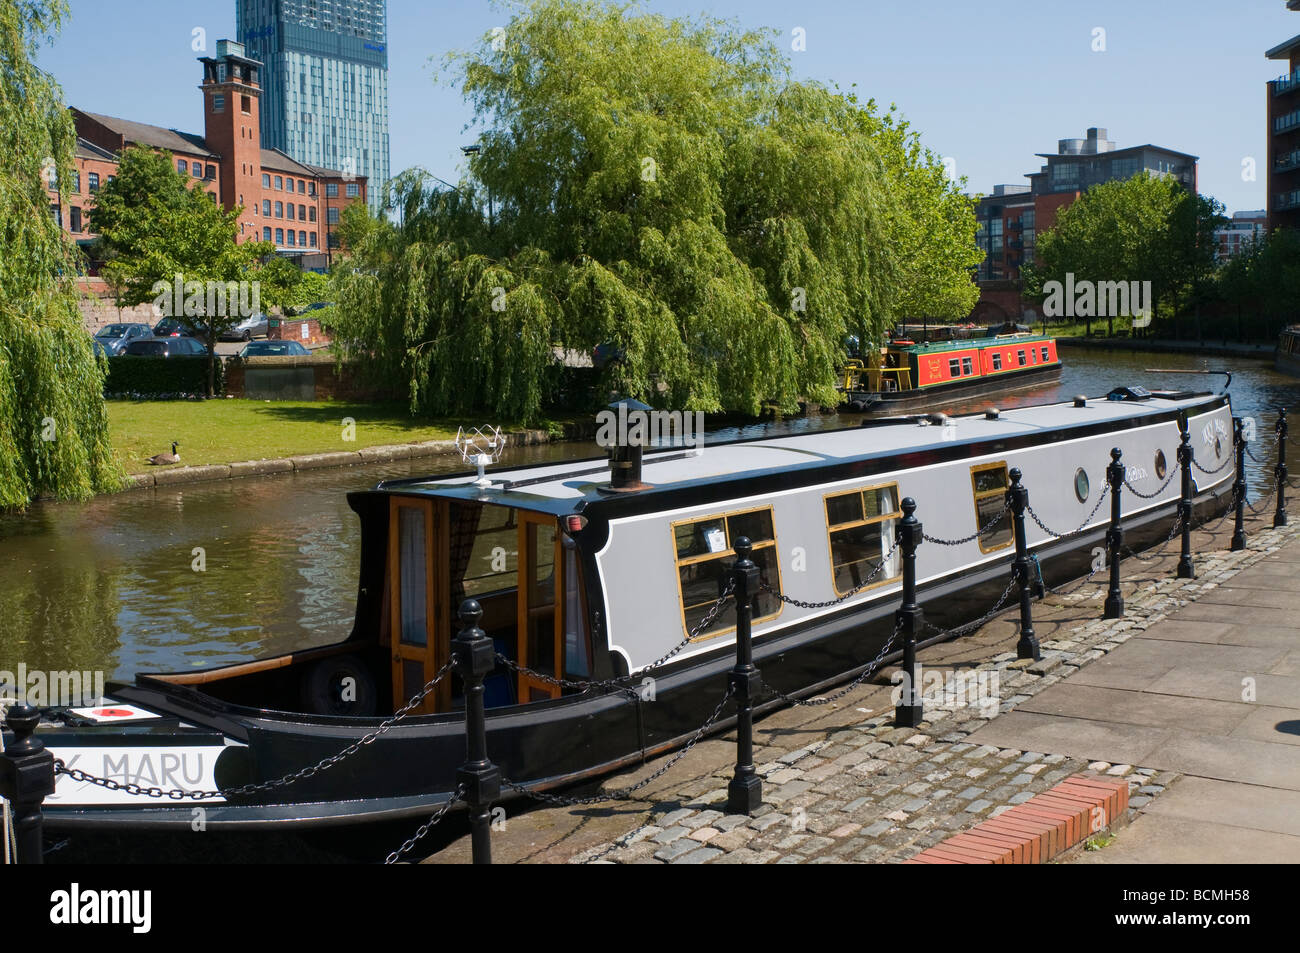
904,375
596,570
1287,356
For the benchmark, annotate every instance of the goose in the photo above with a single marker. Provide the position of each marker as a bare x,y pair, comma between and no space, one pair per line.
163,459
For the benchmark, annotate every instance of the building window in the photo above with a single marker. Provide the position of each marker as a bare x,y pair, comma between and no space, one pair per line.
182,167
266,180
704,557
989,486
109,180
332,216
289,212
291,237
353,190
302,239
279,236
266,208
196,170
245,105
311,189
218,103
302,187
302,213
75,223
210,172
92,181
311,214
76,181
279,210
860,528
332,240
266,233
331,190
279,182
57,214
313,239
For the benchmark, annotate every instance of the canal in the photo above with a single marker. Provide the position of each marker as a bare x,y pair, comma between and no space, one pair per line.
111,585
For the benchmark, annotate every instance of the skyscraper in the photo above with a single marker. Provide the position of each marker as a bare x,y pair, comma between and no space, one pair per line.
325,82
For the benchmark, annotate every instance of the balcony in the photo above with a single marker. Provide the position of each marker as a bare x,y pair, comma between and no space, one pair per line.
1286,123
1288,162
1286,82
1287,200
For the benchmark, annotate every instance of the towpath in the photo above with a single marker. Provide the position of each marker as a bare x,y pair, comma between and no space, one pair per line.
1162,697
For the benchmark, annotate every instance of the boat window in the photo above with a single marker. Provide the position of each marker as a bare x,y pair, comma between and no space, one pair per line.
577,647
860,526
997,360
967,366
414,603
954,367
1045,353
484,550
989,484
705,554
1020,355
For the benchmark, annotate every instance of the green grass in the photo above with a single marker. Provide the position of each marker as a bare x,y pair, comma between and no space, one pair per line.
228,431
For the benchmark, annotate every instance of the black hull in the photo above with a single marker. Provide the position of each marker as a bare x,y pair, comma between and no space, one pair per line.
890,402
411,769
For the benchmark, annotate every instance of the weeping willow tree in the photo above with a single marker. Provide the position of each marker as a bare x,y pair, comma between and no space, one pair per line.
662,187
53,426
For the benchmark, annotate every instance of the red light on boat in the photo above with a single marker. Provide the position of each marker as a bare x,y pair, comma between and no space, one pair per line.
575,523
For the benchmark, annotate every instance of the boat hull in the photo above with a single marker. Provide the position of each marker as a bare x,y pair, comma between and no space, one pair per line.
939,395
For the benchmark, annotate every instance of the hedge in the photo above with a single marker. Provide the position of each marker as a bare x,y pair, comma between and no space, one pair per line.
161,377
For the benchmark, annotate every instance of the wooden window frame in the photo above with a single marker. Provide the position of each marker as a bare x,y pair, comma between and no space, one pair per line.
977,496
897,514
729,552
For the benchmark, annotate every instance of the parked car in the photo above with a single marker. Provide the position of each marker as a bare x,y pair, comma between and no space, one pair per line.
112,338
247,329
166,347
274,349
174,327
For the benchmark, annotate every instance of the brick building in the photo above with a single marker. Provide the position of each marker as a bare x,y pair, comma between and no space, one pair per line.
1243,229
1008,221
1284,135
296,206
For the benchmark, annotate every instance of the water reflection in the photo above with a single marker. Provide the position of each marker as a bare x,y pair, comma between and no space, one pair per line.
111,584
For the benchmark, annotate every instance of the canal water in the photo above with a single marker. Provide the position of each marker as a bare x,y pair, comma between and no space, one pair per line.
110,585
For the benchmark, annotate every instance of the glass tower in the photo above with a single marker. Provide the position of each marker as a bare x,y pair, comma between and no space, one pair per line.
325,82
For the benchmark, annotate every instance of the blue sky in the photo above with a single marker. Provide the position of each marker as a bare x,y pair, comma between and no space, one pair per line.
987,83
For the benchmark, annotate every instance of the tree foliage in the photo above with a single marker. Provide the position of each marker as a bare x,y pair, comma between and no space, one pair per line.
53,425
661,186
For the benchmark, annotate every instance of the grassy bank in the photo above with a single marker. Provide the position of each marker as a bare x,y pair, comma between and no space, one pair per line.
228,431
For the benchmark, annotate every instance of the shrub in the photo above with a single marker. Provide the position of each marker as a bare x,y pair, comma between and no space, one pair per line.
161,378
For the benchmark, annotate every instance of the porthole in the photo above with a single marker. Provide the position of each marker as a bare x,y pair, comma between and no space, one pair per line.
1161,465
1081,484
1218,448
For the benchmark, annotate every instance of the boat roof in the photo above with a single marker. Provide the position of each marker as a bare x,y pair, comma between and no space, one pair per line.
570,486
965,344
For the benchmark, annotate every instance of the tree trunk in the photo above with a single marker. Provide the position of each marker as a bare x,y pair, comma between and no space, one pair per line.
212,364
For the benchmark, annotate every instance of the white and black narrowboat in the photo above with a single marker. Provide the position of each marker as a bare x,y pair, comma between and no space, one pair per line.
578,583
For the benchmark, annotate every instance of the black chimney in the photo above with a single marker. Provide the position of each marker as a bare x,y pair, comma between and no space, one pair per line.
630,435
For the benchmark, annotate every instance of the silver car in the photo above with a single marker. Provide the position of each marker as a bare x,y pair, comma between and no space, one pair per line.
255,326
114,338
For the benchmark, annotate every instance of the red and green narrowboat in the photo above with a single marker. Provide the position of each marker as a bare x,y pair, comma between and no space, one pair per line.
904,375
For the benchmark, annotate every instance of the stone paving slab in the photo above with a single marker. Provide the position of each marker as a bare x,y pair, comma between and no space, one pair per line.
843,784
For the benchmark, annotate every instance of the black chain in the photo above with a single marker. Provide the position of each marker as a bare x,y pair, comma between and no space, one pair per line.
987,527
1232,505
1151,496
963,629
424,828
866,673
625,794
1082,526
617,684
1227,461
1178,523
1074,587
834,602
1263,506
326,763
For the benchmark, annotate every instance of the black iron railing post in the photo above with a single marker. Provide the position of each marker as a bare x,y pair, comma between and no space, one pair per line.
26,780
474,657
745,791
909,712
1114,607
1018,500
1279,515
1186,568
1239,486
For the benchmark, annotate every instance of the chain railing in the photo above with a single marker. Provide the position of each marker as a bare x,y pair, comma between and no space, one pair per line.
982,531
324,764
1150,496
1151,557
1101,498
851,686
958,631
1219,469
427,826
624,794
790,600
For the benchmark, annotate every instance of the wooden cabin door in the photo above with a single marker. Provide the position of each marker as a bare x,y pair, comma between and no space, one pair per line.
541,634
417,548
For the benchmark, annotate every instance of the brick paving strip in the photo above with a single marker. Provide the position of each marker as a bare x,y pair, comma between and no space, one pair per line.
842,784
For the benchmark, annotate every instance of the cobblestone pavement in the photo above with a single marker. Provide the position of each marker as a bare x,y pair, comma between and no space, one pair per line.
842,784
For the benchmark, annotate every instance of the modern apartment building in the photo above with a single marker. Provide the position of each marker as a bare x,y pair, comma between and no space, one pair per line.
325,87
1241,231
1284,134
293,205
